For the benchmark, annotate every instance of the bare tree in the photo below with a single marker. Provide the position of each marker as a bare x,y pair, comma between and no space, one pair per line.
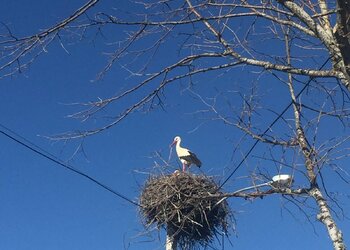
304,44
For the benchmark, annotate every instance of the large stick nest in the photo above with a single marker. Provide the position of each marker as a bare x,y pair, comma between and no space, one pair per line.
183,203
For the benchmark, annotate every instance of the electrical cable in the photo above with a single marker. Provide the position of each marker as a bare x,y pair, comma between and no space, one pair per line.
40,151
270,126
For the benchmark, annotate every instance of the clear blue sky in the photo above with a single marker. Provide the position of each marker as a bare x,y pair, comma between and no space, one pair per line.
44,206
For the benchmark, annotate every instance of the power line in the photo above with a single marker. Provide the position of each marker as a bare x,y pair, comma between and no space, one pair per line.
270,126
40,151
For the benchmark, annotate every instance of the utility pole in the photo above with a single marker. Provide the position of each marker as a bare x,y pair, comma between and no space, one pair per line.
170,240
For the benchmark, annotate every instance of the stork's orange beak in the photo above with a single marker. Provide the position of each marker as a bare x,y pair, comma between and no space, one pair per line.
172,144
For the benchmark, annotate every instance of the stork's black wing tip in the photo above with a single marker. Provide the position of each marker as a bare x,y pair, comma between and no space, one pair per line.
195,160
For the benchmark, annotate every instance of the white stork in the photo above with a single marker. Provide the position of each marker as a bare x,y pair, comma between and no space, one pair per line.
185,156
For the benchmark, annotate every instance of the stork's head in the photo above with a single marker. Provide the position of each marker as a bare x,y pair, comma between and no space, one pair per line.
177,139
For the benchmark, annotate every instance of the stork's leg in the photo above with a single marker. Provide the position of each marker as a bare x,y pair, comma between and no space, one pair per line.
183,167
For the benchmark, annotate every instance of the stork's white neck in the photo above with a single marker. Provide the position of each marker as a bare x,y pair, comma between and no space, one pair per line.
178,144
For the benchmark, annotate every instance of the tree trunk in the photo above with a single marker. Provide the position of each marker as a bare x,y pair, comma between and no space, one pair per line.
326,218
342,31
